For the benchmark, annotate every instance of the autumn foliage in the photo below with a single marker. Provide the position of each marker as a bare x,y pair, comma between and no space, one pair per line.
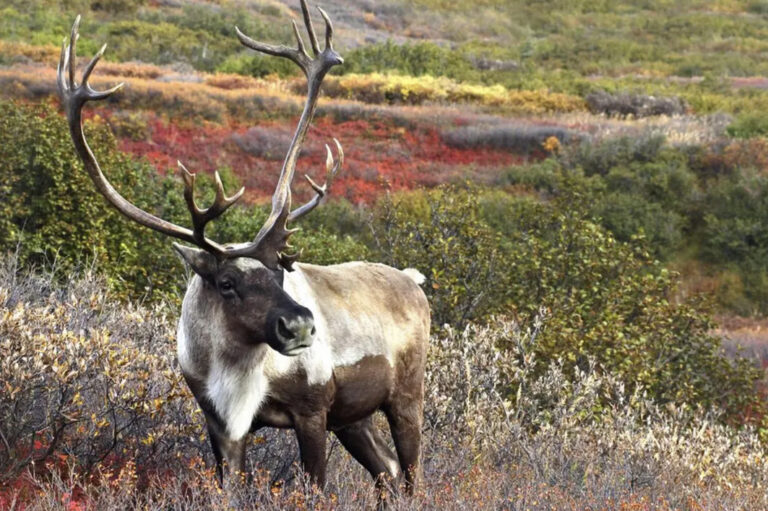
94,416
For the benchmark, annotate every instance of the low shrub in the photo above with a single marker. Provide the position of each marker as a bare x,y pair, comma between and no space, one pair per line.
264,142
86,381
734,233
441,234
12,51
542,101
635,105
502,425
517,138
417,59
600,156
634,185
130,125
189,102
485,253
257,66
50,207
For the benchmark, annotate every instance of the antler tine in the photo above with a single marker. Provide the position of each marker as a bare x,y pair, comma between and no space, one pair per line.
92,64
299,41
61,83
331,169
299,56
201,217
310,27
73,37
328,28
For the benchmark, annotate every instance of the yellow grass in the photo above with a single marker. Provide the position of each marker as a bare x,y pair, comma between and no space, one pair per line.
381,88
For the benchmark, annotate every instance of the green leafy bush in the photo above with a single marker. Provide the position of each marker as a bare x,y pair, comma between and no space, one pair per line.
257,65
635,185
51,212
608,301
748,125
440,234
735,233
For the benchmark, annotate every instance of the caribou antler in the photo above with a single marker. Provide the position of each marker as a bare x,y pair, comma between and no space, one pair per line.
201,217
320,191
272,239
74,96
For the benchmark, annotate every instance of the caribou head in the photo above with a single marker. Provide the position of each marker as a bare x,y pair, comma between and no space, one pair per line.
245,278
265,341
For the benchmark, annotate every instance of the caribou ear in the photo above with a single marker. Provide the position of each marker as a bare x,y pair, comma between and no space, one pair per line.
202,262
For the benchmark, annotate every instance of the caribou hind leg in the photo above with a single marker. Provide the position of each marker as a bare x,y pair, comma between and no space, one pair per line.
405,411
366,444
404,416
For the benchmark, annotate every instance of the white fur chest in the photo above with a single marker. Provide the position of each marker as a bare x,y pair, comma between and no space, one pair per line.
237,392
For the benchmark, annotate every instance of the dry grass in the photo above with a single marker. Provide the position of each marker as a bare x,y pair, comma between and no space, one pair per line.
22,52
556,443
746,337
677,130
184,99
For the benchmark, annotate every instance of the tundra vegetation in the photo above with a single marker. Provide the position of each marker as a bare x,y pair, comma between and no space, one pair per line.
583,184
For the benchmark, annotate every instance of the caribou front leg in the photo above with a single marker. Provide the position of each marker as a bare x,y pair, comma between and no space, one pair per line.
310,432
229,454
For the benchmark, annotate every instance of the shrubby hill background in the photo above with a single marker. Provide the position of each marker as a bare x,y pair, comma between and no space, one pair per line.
584,184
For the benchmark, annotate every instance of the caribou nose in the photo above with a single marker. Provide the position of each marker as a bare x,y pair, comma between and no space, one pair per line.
295,333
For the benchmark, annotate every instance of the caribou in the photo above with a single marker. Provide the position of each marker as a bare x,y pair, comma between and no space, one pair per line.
266,341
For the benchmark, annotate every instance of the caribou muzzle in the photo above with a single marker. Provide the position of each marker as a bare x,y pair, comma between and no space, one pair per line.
293,330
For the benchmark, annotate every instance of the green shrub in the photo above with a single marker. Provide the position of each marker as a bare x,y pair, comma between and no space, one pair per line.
606,300
610,301
748,125
735,233
440,234
423,58
257,65
117,6
626,215
51,211
632,186
758,7
159,43
600,157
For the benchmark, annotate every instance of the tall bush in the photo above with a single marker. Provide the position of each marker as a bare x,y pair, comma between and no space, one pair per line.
608,300
51,210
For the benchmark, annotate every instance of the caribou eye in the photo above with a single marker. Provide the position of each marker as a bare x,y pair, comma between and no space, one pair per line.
227,288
